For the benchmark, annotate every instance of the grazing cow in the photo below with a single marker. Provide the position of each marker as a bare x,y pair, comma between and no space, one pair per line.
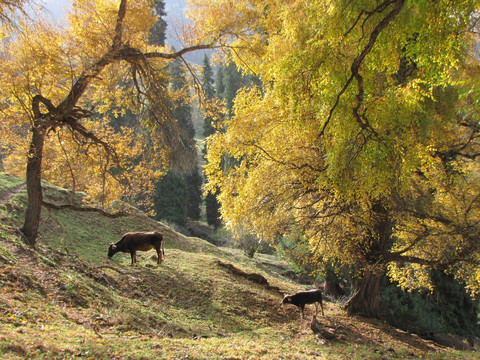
143,241
300,298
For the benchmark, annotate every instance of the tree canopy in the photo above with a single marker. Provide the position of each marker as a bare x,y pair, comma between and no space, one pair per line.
59,84
360,141
363,138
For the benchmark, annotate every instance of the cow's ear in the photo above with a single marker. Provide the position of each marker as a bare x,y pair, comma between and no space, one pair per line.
114,246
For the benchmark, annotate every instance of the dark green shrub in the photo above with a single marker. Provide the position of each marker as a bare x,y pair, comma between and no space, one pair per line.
449,309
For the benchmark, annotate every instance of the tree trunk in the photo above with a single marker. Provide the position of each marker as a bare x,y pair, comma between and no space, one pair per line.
332,286
366,299
34,185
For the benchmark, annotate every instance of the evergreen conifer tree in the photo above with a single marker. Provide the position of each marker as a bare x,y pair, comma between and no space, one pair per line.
209,91
211,202
220,82
181,193
157,33
170,201
233,82
194,183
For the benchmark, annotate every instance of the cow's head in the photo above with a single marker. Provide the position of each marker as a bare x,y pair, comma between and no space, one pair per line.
112,249
287,299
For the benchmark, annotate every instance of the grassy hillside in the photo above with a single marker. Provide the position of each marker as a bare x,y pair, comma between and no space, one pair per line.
66,300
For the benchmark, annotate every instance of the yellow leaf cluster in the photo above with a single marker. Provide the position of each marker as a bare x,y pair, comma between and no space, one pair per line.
319,147
41,58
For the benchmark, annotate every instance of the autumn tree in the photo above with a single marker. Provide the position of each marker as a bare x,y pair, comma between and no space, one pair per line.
363,140
9,7
56,79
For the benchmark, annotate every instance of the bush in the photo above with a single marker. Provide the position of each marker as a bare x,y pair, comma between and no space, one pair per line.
247,241
449,309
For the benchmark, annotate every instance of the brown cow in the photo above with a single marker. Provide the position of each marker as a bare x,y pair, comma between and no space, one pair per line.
143,241
300,298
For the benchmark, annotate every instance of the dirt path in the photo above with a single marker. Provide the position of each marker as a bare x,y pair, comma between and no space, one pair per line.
4,197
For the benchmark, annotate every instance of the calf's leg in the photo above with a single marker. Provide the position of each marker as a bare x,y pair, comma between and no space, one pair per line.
321,307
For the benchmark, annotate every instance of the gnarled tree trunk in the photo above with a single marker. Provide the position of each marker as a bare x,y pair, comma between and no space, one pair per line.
34,185
366,299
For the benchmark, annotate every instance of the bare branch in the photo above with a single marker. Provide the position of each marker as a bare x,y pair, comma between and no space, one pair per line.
290,165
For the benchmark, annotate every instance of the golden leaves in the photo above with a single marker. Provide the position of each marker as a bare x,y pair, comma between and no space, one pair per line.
93,21
46,60
282,165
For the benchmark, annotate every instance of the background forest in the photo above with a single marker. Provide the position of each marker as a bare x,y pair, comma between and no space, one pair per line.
339,136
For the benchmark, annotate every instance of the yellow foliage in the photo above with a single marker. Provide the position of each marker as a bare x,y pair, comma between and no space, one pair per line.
375,165
45,59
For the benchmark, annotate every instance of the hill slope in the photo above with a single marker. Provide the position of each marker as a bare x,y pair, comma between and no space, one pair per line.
64,299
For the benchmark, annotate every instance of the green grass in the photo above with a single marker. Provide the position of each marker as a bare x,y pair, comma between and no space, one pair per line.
66,300
8,182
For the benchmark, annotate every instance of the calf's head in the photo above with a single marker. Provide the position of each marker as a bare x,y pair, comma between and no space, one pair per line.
112,249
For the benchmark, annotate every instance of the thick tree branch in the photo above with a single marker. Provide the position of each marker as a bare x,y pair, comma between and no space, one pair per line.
36,101
412,260
84,209
117,40
179,53
355,68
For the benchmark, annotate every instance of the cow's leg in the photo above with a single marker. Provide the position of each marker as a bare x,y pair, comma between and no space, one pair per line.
321,306
133,256
302,308
159,255
316,308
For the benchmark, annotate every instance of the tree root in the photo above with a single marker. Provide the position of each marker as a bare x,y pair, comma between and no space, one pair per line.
84,208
